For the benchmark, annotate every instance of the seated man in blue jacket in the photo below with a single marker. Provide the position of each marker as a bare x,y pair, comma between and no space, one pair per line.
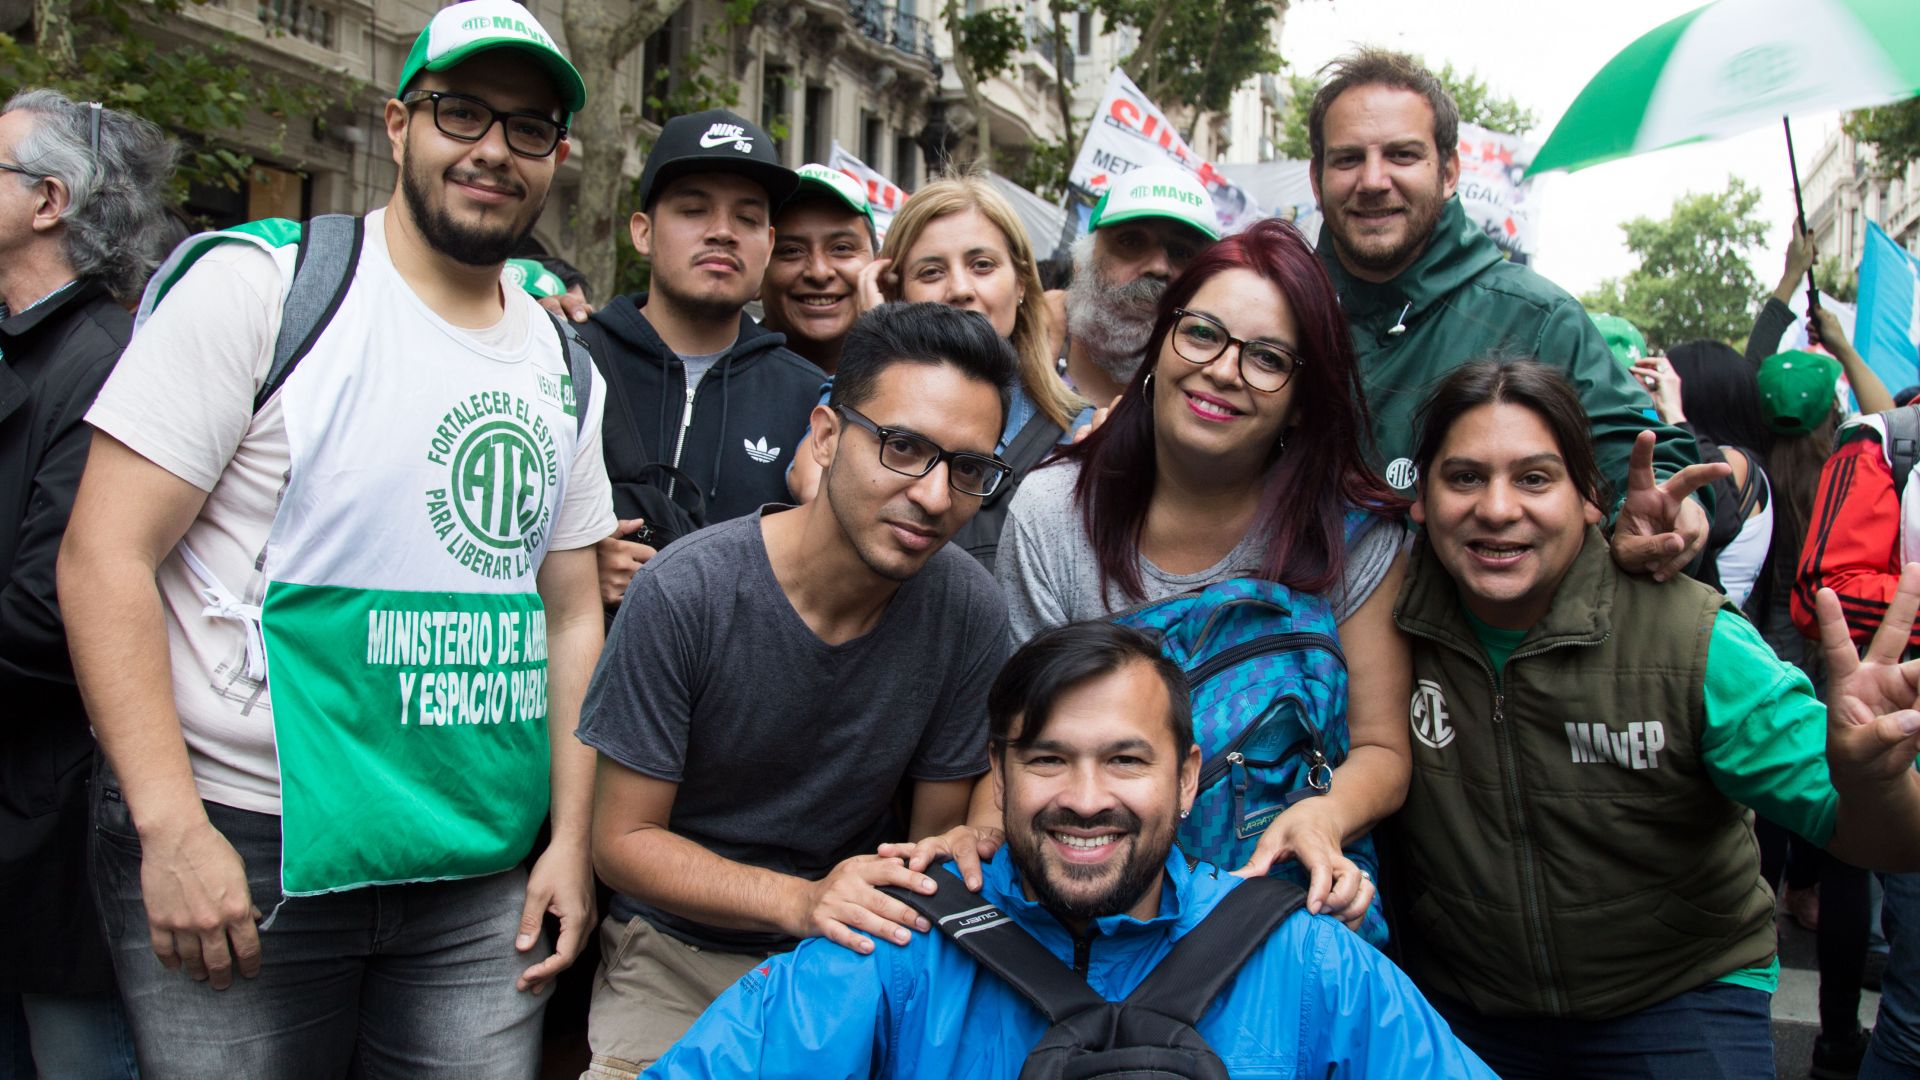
1093,764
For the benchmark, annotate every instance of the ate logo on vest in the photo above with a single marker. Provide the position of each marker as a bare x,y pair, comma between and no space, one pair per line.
1429,714
499,465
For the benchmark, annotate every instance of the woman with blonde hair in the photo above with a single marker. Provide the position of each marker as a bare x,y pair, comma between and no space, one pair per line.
958,241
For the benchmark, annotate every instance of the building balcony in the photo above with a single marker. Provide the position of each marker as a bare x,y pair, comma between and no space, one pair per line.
891,26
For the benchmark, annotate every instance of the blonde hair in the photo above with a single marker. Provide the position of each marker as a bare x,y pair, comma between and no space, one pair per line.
1032,337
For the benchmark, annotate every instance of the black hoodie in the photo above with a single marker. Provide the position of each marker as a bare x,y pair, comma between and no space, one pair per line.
734,435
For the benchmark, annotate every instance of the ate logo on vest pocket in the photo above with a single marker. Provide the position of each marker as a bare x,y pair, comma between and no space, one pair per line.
501,469
1429,714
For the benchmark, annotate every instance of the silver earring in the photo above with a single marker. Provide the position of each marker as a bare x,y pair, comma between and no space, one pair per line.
1184,813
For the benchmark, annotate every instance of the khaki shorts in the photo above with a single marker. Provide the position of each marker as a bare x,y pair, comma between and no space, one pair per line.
649,990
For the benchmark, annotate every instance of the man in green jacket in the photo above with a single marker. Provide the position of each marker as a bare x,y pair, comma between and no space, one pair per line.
1574,868
1425,290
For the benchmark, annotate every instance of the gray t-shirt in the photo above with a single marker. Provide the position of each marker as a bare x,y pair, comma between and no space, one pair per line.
1049,574
788,751
699,364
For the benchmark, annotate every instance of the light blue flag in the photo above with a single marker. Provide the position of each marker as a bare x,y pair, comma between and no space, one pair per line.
1887,332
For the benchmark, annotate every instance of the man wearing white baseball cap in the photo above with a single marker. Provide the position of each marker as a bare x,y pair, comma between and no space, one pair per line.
822,238
1145,229
321,873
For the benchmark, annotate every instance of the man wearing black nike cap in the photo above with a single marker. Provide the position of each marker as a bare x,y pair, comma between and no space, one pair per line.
693,382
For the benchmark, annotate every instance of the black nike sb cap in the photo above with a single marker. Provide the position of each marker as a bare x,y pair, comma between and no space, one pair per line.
715,141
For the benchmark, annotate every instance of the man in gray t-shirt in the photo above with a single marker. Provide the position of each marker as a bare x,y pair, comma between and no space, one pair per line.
772,682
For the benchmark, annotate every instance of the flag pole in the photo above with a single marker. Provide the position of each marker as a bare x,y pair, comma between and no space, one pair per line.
1800,207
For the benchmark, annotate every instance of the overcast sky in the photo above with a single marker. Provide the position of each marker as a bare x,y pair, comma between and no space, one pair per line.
1541,53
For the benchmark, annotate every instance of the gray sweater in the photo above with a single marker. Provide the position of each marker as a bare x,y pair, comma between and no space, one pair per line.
1049,575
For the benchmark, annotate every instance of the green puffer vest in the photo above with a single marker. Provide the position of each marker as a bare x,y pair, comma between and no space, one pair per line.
1562,851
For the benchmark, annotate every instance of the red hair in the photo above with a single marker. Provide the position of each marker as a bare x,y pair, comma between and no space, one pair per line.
1309,488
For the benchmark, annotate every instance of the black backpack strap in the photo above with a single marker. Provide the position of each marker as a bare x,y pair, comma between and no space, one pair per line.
579,368
1903,441
1186,980
1032,443
1001,946
1751,490
322,273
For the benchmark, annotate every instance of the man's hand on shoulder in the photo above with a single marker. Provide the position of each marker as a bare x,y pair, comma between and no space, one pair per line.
1661,528
847,904
571,305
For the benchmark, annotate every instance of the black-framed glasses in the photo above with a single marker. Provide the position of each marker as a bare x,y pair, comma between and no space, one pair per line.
1200,339
469,119
28,173
916,455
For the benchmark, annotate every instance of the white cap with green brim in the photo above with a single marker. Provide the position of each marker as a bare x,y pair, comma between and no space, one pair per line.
1162,191
837,184
459,31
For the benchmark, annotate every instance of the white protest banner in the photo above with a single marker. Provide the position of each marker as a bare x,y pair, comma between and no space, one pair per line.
883,195
1129,132
1491,191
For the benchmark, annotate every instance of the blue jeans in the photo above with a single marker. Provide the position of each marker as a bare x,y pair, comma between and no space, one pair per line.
388,981
1896,1035
1716,1032
70,1036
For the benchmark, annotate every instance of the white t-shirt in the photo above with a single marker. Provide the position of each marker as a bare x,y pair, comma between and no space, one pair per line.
182,397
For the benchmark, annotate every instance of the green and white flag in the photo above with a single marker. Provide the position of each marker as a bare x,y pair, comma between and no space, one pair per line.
1736,65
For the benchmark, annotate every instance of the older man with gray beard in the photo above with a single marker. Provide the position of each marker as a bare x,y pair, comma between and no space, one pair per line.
1147,227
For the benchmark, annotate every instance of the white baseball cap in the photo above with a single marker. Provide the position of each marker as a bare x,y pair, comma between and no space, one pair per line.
1164,191
458,31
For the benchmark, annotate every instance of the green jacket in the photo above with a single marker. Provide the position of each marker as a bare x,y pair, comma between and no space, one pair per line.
1464,301
1563,851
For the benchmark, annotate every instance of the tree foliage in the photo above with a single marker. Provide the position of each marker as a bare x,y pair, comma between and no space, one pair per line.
985,45
102,50
1694,279
1892,130
1192,56
1478,104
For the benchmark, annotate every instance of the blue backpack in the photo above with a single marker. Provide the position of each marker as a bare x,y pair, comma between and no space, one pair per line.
1269,685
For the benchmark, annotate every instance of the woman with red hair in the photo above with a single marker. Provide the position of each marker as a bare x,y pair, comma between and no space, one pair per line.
1236,452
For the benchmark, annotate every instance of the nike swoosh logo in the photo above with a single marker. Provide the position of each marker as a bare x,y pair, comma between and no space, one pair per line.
708,142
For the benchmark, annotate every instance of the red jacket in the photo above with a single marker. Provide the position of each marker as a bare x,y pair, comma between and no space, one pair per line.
1853,541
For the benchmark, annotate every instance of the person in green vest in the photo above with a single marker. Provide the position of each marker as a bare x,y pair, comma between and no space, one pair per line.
1574,872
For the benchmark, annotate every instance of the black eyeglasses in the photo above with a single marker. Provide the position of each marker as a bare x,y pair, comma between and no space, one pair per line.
1200,339
915,455
469,119
28,173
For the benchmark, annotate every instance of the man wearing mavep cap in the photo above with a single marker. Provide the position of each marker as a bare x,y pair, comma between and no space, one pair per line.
1145,229
320,874
694,383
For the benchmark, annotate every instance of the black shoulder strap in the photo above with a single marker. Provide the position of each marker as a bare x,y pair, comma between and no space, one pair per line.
1001,946
1032,443
322,272
1201,964
1903,440
579,367
1750,490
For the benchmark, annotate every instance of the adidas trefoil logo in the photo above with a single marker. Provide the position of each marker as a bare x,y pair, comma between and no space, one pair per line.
760,452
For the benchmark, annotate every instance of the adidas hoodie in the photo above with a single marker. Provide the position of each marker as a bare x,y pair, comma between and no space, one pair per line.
734,434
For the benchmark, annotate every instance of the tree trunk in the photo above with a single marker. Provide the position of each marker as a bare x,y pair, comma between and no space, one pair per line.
53,33
600,34
1060,84
970,86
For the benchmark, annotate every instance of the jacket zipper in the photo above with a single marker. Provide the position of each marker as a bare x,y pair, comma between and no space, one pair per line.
1082,954
686,421
1510,780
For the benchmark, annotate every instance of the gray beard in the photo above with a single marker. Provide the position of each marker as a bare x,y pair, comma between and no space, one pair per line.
1112,324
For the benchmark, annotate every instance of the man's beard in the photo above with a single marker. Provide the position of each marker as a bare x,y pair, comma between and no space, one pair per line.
466,244
1112,323
1422,215
709,308
1143,863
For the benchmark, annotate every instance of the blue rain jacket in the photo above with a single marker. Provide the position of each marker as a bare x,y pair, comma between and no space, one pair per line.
1316,1001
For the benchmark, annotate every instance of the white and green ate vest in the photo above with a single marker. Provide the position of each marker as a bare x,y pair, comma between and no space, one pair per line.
401,631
